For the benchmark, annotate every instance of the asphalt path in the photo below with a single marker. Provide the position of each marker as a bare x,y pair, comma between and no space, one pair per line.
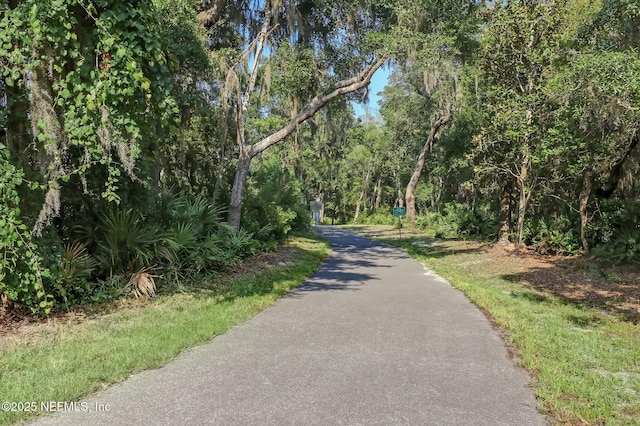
371,339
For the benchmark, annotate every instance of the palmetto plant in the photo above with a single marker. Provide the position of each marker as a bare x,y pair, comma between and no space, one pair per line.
197,236
143,283
123,242
76,263
184,238
74,269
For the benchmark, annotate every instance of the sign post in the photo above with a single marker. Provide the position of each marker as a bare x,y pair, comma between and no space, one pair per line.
316,208
399,212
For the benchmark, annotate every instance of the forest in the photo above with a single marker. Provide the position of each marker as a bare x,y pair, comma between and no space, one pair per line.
147,143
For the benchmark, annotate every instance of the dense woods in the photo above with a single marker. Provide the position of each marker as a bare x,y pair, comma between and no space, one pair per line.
152,143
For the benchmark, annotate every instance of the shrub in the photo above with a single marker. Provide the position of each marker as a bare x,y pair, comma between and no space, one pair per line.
381,216
552,236
617,232
623,249
458,220
273,205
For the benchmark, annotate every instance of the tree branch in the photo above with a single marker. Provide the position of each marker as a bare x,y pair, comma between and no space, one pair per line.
342,87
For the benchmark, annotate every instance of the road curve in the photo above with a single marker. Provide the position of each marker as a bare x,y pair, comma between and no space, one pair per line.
370,339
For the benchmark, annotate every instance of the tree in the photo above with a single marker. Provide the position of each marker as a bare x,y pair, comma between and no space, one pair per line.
438,40
94,77
598,98
519,46
330,88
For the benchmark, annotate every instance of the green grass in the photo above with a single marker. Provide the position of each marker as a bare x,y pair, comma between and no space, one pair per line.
585,362
73,361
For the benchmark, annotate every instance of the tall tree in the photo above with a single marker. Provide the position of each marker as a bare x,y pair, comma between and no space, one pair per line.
438,39
343,37
519,46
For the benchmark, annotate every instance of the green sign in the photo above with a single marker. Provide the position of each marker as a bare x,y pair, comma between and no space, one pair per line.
399,211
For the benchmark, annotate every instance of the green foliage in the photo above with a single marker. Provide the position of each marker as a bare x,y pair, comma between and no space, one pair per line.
98,80
457,220
22,273
380,216
75,268
274,206
625,248
552,236
295,75
197,240
618,230
122,241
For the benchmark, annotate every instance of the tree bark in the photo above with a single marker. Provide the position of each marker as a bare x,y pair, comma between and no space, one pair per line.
417,171
378,194
524,197
237,191
400,196
523,179
505,214
361,198
584,217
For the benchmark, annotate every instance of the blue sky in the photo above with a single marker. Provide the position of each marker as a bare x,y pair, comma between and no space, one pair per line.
379,80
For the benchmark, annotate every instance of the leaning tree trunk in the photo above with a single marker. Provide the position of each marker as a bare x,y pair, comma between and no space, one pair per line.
361,197
249,151
417,171
584,217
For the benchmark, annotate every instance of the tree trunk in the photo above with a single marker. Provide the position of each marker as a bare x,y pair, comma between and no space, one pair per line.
358,203
46,122
400,196
378,200
523,179
417,171
363,193
524,198
584,200
237,192
505,214
222,137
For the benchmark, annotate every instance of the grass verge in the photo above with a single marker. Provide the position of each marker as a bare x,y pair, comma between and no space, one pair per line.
585,362
75,360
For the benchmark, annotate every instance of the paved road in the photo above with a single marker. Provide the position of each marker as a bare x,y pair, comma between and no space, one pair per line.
371,339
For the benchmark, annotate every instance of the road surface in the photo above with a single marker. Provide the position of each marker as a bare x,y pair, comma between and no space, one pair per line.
371,339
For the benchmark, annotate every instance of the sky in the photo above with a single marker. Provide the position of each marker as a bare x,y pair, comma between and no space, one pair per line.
379,80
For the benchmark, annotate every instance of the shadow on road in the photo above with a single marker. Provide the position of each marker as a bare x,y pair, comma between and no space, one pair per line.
352,254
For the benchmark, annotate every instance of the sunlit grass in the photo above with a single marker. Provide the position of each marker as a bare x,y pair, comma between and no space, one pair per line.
76,360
